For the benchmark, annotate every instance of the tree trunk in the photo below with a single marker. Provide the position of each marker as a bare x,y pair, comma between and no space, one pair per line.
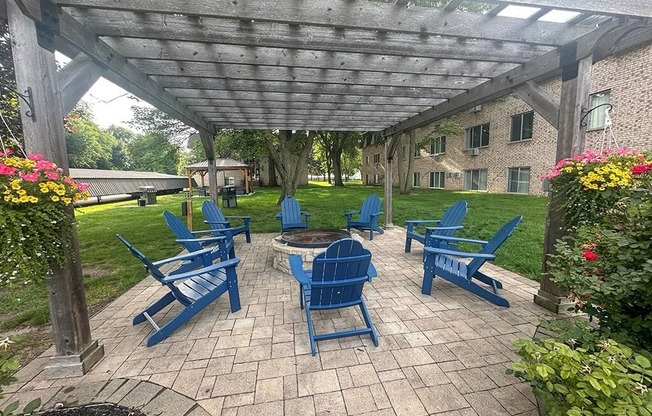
290,158
405,184
272,173
337,166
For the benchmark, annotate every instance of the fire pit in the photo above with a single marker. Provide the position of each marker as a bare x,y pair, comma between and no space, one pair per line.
306,243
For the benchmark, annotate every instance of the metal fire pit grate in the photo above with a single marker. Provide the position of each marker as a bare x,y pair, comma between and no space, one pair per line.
313,238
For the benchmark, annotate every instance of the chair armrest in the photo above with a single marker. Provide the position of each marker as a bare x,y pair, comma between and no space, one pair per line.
186,256
431,250
307,214
422,221
296,266
355,211
216,222
238,217
200,240
371,271
458,239
221,265
279,216
375,214
455,227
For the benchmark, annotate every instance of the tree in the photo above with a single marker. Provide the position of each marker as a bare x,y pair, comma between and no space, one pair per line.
245,145
9,106
289,150
324,141
343,143
88,145
153,120
152,152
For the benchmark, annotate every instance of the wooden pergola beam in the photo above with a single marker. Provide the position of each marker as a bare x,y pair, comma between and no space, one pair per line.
297,126
255,106
208,84
75,79
275,73
537,98
543,67
179,28
639,8
214,98
169,50
353,15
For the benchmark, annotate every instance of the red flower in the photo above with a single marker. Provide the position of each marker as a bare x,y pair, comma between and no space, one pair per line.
589,255
641,169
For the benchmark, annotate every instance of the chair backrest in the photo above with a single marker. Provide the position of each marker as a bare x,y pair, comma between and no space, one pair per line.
453,217
290,210
181,231
213,215
339,273
149,266
494,244
153,271
370,206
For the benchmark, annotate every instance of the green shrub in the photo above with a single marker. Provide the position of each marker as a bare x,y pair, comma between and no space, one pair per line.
9,364
602,379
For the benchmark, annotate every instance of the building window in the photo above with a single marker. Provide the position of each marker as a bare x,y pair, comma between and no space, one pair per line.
417,151
376,158
438,145
519,180
437,180
597,117
475,180
477,136
522,127
376,179
416,179
366,179
366,160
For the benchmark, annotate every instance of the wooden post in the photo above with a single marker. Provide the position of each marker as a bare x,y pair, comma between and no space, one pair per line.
389,155
207,142
35,68
576,84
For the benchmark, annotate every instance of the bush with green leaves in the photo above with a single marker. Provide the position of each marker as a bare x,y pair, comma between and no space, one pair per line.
605,378
608,267
9,364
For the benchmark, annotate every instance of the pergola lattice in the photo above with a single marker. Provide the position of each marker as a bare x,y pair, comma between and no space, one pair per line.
350,65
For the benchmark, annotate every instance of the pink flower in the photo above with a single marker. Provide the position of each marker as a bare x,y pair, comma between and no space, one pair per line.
52,175
589,255
68,180
83,186
35,157
29,177
44,165
7,170
8,152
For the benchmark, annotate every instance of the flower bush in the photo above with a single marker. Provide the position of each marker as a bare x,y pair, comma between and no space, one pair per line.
35,222
592,184
605,378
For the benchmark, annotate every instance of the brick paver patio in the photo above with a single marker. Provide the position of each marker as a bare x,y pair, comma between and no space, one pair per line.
444,354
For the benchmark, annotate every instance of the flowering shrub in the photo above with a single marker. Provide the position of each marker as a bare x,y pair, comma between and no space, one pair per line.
605,378
592,184
606,263
34,195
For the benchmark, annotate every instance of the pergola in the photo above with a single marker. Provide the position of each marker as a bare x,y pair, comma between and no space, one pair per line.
221,165
350,65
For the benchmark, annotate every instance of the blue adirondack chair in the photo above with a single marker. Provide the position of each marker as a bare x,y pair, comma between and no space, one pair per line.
442,262
216,220
223,249
194,289
449,223
336,280
291,216
368,216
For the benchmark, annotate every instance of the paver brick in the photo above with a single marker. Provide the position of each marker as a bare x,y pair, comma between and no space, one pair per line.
317,382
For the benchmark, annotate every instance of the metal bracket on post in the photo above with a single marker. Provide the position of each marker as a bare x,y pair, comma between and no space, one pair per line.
585,113
28,97
48,27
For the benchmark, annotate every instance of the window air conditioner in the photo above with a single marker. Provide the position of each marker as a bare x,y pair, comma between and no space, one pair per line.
473,152
476,109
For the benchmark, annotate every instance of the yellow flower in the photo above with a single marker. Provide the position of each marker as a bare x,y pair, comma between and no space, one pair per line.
54,198
33,199
22,192
67,201
7,198
24,198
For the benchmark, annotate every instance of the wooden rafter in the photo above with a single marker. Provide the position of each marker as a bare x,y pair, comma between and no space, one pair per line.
639,8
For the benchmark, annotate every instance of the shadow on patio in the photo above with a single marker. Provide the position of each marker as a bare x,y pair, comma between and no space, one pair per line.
442,354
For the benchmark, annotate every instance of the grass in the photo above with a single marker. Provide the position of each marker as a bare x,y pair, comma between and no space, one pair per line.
110,270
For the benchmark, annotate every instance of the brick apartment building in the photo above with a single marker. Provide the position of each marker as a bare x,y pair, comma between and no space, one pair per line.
504,146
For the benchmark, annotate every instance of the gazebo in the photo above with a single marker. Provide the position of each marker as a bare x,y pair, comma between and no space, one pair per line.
221,165
351,65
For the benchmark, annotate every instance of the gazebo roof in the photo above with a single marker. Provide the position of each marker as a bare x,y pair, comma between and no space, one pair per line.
334,65
220,164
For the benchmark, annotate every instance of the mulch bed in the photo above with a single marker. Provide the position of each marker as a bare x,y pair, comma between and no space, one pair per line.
95,410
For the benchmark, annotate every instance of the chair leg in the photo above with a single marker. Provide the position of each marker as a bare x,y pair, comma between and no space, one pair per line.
426,285
154,308
371,233
234,292
311,332
408,244
301,295
367,320
248,236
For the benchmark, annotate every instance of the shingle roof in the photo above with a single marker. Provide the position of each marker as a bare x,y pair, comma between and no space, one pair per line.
116,182
221,164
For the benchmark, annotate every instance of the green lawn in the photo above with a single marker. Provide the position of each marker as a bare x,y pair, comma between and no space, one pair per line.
110,270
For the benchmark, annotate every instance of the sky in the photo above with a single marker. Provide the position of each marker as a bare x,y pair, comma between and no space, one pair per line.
112,105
